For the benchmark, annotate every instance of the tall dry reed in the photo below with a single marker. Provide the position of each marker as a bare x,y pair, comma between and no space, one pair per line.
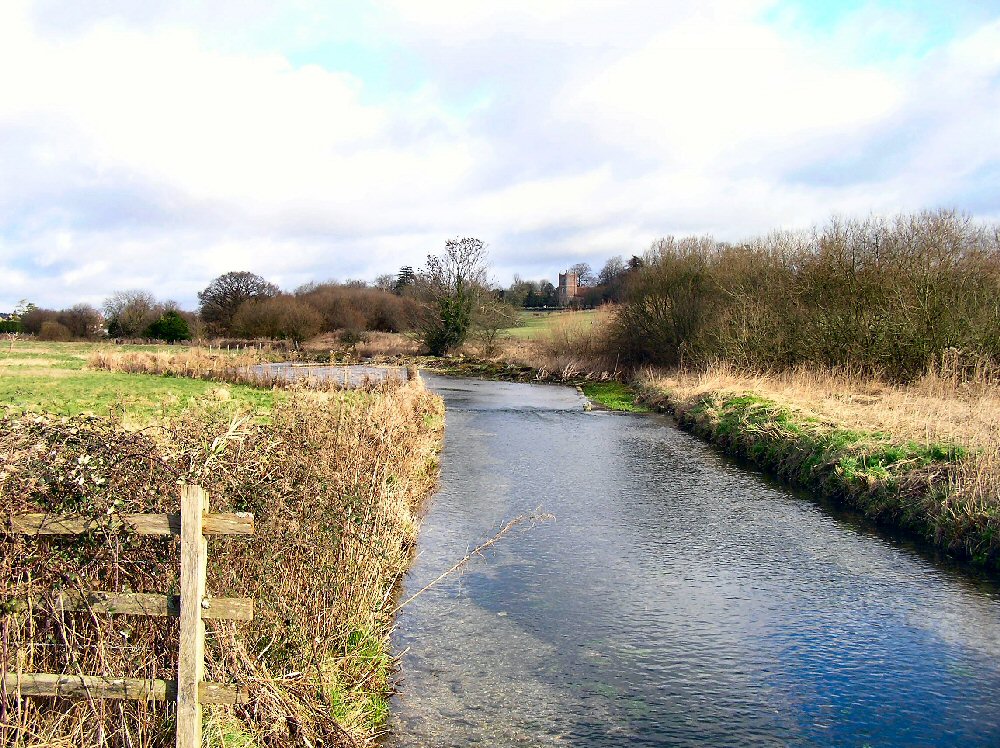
576,346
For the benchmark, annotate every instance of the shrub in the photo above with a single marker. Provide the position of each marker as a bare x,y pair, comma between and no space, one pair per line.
284,317
171,327
359,308
334,483
56,331
874,295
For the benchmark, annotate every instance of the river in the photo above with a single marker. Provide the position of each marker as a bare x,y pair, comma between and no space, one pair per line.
676,599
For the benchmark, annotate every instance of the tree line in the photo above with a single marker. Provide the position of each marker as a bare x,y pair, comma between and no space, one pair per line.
443,302
605,287
886,296
880,295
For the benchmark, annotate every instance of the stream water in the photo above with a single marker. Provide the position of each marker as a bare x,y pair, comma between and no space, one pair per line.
676,599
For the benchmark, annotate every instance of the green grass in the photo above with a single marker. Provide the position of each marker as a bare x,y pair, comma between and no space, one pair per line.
535,325
866,467
369,664
613,395
53,378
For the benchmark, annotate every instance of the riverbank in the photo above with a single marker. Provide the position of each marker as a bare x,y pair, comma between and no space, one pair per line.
335,480
923,457
712,607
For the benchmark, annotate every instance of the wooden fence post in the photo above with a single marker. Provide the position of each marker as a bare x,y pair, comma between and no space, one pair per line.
191,659
190,690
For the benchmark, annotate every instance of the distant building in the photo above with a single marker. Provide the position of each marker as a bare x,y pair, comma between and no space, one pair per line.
569,288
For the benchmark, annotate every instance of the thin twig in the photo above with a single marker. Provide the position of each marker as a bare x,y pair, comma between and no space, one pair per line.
534,518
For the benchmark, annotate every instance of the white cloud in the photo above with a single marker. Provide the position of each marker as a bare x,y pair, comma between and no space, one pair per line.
713,96
137,151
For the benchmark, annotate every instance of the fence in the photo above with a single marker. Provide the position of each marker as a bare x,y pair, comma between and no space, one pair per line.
190,690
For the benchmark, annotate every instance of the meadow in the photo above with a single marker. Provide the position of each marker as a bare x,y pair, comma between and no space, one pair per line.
535,325
54,378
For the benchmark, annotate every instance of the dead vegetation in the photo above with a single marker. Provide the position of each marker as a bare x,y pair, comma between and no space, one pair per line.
334,480
925,454
575,346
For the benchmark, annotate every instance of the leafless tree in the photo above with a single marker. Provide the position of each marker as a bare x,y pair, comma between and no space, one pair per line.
225,294
129,313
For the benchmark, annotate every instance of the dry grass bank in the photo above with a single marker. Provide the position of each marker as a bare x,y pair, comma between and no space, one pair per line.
937,407
571,346
333,478
924,455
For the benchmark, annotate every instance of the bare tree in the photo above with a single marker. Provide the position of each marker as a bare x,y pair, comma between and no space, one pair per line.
584,275
493,319
83,321
129,313
283,316
613,268
225,294
385,282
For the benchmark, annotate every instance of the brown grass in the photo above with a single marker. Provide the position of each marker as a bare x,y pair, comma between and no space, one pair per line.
933,409
574,347
963,511
334,480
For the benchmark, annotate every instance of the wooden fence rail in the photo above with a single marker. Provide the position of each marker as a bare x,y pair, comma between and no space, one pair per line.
192,606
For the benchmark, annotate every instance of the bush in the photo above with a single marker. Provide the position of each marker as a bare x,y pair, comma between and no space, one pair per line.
55,331
171,327
874,295
359,308
284,317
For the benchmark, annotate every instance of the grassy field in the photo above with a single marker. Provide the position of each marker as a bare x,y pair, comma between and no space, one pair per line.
54,378
536,325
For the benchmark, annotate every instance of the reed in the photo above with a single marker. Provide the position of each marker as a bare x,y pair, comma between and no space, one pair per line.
573,346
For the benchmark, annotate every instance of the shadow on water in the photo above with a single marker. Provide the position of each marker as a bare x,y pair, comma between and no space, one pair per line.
677,599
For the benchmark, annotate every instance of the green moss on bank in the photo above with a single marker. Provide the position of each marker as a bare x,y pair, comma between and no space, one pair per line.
614,396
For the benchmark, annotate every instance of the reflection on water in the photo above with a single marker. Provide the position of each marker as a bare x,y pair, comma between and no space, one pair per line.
675,600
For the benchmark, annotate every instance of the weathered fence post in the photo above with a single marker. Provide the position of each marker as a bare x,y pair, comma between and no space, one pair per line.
191,657
190,690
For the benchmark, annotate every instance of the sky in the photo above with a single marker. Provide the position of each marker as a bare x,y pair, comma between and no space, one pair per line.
158,144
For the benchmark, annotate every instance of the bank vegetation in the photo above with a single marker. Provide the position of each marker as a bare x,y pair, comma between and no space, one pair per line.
860,360
334,478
